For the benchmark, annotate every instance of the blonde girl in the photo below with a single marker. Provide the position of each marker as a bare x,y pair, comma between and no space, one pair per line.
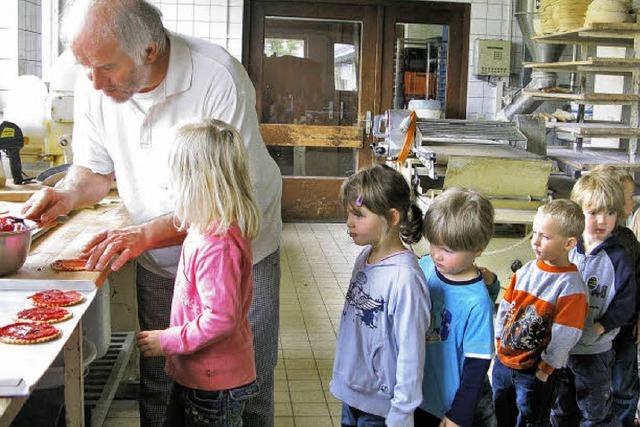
209,345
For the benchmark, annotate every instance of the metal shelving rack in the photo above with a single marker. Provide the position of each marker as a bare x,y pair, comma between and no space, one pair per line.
588,64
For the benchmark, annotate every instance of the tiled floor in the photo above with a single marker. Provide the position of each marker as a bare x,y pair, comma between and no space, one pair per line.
316,266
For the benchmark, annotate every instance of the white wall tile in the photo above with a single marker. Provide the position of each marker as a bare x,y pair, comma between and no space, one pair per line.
169,12
201,13
478,11
235,31
185,12
201,29
494,11
219,14
185,27
478,27
235,14
218,30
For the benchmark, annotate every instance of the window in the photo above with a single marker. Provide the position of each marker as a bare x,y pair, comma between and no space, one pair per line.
282,47
345,63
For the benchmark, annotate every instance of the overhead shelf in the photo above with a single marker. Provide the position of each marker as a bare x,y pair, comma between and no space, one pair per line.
596,130
607,34
598,65
589,98
574,161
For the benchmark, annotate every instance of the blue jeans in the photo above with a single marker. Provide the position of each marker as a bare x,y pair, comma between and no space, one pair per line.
352,417
584,392
520,399
198,408
624,378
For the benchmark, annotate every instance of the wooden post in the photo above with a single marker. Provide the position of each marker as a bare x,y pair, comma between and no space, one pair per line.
73,380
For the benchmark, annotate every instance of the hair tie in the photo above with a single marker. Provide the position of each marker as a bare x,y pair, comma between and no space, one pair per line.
359,202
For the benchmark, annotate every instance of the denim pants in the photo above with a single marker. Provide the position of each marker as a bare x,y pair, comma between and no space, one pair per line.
352,417
624,378
520,399
584,392
198,408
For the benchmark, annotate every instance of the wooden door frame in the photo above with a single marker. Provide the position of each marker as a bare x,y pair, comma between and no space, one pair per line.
378,41
457,17
296,200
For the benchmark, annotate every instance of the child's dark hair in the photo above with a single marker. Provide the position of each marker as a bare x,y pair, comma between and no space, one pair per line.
381,188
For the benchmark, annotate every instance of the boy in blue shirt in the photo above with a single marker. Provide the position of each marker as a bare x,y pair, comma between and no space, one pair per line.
459,344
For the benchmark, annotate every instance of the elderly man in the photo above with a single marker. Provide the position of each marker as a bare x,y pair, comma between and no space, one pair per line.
140,81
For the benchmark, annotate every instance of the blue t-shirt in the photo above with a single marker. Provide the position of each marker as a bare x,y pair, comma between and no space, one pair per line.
461,326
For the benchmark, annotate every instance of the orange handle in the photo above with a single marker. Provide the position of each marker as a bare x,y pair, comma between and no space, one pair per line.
408,138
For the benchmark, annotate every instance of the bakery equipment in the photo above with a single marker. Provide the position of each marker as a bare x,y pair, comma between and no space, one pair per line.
11,142
527,12
391,130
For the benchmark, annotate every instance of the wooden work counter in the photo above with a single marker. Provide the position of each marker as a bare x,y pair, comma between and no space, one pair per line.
65,241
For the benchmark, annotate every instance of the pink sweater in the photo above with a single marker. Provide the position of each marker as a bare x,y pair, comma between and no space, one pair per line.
209,345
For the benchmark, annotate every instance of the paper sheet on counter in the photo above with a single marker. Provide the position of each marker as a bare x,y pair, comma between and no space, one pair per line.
23,365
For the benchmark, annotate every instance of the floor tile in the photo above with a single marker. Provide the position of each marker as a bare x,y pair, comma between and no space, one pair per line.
283,409
284,422
315,396
301,409
314,422
297,386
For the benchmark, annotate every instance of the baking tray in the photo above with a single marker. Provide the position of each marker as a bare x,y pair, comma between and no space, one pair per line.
23,365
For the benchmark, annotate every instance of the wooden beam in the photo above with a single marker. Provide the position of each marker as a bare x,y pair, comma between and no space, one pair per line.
312,136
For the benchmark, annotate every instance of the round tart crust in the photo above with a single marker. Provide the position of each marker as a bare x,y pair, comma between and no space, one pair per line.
44,314
56,298
28,333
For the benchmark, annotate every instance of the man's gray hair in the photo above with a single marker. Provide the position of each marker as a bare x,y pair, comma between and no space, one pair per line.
133,23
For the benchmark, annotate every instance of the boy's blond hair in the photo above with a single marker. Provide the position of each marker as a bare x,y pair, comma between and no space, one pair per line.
567,215
621,174
208,170
599,192
460,219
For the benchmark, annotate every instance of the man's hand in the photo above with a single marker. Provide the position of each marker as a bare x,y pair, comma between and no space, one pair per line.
636,328
149,343
48,204
121,245
446,422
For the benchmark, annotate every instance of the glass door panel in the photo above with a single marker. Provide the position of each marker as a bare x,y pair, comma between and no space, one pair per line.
310,76
420,63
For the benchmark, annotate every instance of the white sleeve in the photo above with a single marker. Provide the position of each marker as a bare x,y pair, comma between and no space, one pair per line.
88,141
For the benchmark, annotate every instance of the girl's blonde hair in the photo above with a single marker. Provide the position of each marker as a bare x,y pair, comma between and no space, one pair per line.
208,168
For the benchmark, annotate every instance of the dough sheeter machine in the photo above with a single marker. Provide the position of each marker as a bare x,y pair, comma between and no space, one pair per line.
506,161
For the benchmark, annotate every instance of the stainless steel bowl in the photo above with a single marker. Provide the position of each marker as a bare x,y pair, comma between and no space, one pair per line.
14,248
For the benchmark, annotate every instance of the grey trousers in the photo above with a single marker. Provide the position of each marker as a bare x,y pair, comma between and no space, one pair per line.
154,307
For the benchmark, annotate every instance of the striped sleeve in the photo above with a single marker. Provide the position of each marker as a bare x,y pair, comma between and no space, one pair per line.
503,307
566,330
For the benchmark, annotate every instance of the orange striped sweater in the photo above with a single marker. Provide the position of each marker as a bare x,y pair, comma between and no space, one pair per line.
541,316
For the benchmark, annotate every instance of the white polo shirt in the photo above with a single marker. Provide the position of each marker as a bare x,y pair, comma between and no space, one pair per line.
132,139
